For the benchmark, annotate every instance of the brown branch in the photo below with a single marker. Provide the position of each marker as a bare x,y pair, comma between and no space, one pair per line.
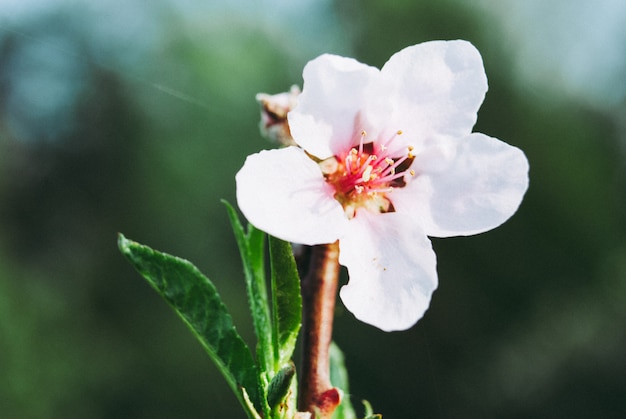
319,292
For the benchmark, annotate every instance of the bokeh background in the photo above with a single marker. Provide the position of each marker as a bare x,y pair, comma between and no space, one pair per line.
134,116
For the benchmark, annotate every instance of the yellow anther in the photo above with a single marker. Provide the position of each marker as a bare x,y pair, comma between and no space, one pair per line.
412,172
399,132
367,174
411,148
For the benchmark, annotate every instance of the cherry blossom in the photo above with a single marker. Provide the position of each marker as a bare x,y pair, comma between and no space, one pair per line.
384,159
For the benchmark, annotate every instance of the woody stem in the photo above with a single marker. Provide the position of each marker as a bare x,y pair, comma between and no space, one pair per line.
319,290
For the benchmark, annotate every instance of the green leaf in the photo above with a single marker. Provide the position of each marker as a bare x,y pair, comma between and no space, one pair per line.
339,379
251,249
369,412
286,300
196,301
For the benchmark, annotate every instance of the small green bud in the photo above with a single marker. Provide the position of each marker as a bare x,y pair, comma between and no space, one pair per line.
279,386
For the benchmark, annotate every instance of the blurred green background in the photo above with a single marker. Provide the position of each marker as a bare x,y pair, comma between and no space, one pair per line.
135,116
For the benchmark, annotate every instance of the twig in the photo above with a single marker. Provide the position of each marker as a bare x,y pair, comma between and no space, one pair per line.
319,291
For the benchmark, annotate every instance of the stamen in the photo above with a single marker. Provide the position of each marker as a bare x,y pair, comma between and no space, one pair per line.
363,135
392,168
352,155
391,176
384,145
367,174
366,164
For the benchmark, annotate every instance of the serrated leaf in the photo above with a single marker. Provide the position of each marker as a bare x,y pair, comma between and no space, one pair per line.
339,379
286,300
196,301
251,249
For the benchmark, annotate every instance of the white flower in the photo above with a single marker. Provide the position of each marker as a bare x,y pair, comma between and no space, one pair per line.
387,158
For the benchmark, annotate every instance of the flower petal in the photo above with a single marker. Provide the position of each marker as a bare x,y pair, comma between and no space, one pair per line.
435,88
324,119
392,270
480,188
283,193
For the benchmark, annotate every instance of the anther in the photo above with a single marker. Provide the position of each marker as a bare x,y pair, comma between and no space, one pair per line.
363,134
367,174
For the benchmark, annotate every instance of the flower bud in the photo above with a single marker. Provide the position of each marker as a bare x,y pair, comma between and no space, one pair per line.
274,109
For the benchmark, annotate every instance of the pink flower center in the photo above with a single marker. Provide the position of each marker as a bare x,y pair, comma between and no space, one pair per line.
366,175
